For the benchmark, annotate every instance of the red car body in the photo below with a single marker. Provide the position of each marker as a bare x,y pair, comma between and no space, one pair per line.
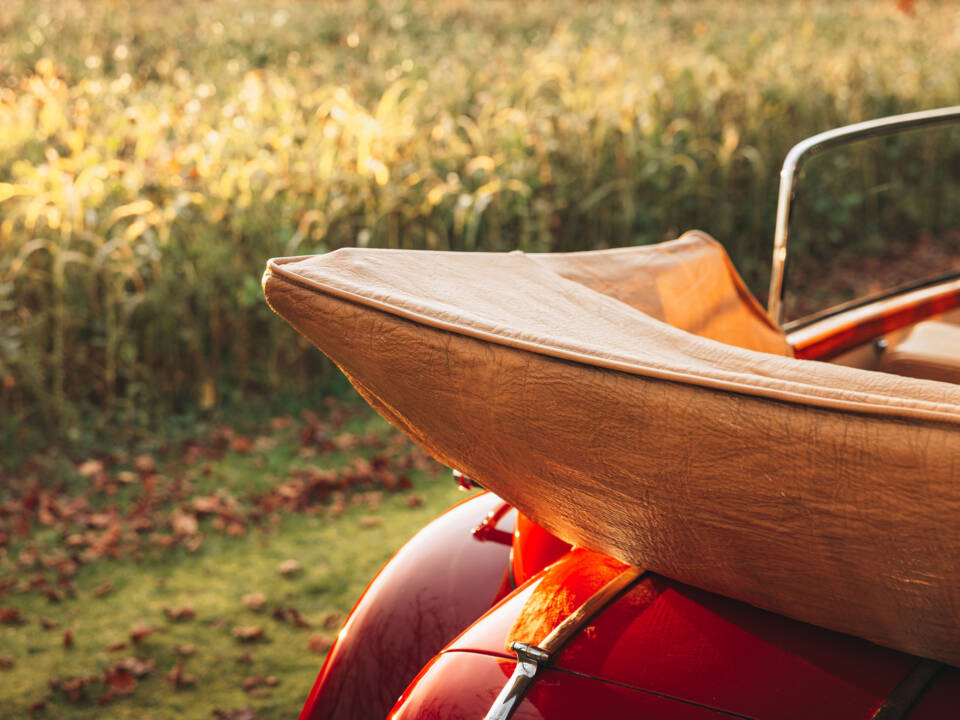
431,636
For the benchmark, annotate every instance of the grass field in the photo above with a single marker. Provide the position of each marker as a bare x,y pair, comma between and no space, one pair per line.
169,544
153,155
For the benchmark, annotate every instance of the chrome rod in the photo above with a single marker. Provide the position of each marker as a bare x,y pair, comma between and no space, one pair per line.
805,149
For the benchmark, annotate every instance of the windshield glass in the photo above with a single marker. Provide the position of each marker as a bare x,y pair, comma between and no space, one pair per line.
871,218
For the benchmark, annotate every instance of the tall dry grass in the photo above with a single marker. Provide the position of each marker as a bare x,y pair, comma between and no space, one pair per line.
153,155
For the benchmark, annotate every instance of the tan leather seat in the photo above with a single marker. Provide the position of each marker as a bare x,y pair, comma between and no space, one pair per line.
930,351
689,283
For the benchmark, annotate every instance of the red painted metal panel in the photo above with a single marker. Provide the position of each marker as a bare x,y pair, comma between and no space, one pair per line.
533,549
701,647
668,638
463,686
942,700
439,582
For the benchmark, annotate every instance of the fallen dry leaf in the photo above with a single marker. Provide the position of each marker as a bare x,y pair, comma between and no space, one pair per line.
119,681
102,590
245,659
11,616
414,501
38,706
241,444
254,601
289,567
178,678
138,667
332,621
126,477
117,646
370,521
183,523
320,642
253,682
90,468
248,633
68,639
180,614
290,615
75,688
184,650
48,624
140,631
145,464
6,663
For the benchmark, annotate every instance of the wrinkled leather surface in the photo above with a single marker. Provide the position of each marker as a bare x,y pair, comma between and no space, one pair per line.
825,493
688,283
930,350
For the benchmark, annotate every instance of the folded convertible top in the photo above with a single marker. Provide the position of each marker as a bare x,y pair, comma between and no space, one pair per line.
826,493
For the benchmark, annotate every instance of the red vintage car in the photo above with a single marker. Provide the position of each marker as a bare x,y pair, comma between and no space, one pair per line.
708,579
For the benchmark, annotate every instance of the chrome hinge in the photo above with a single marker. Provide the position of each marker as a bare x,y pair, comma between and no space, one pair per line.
530,659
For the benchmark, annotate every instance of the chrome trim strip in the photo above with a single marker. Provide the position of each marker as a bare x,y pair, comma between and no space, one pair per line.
816,144
900,702
532,658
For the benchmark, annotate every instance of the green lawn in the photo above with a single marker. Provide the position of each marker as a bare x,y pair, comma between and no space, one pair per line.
339,542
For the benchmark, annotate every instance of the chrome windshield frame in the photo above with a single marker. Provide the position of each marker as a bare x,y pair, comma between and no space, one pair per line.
816,144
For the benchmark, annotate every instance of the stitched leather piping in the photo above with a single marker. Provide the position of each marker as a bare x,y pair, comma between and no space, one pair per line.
868,403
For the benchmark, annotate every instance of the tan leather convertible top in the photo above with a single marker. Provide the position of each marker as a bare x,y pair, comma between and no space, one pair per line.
822,492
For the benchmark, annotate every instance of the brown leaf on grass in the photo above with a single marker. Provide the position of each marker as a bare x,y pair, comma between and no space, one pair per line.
289,567
246,713
48,624
38,706
332,621
126,477
291,616
117,646
6,663
75,688
145,464
241,444
140,631
184,650
252,682
162,541
370,521
248,633
90,468
319,642
183,523
414,501
178,678
120,682
68,639
280,423
245,659
11,616
180,614
102,590
264,444
254,601
207,505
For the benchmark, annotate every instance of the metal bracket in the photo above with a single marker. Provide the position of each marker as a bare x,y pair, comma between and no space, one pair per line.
530,659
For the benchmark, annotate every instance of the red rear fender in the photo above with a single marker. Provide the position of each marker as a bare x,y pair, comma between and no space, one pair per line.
434,587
